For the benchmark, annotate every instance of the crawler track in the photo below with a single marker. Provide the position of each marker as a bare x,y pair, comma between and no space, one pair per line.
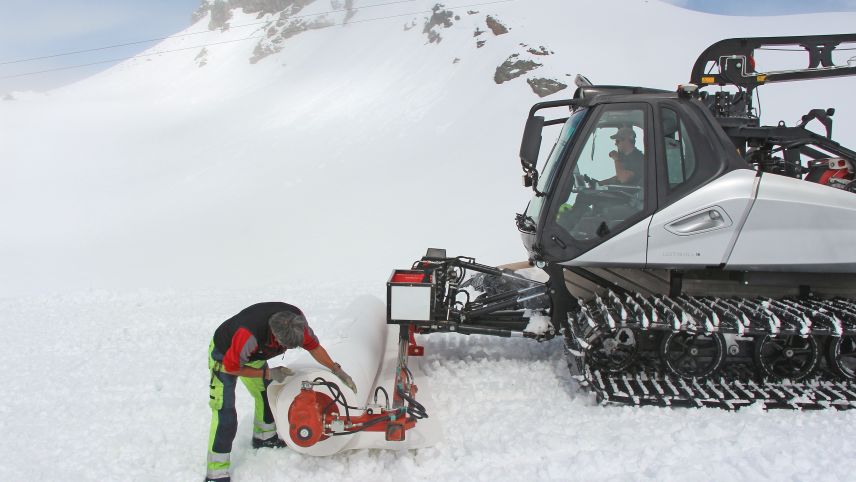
643,378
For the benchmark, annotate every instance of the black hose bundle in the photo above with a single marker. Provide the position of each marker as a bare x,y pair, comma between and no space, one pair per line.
366,425
338,397
415,409
385,394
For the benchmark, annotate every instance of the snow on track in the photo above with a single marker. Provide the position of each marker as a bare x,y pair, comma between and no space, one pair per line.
102,386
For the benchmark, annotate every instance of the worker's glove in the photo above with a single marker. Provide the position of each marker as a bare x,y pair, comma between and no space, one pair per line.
279,374
346,379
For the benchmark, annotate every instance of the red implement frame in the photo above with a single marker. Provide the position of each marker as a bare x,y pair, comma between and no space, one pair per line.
313,416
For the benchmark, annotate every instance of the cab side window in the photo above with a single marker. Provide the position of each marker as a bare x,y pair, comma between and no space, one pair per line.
680,155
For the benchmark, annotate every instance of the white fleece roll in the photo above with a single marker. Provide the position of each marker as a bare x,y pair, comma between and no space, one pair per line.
360,354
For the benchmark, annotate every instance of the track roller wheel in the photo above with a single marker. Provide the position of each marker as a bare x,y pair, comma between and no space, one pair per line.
790,357
842,356
693,355
613,352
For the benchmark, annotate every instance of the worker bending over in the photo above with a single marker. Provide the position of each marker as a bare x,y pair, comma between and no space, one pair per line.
240,349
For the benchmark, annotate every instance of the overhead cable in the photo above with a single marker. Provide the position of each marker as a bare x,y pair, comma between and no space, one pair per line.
156,39
306,28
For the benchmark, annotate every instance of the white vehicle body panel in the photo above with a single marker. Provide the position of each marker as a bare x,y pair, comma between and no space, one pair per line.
743,222
700,229
626,249
796,225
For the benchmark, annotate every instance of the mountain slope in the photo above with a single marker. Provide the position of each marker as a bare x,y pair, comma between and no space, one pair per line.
296,142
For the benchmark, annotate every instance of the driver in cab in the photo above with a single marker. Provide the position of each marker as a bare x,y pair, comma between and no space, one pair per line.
629,160
592,214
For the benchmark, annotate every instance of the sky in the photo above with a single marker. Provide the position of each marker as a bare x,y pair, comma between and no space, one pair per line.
766,7
72,25
35,29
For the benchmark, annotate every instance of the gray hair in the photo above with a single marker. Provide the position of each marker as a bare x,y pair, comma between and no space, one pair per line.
288,328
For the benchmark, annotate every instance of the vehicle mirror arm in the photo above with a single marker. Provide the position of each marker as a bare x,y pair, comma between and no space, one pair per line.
530,179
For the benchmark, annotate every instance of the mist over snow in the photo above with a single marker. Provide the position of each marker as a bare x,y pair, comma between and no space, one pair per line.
301,150
298,142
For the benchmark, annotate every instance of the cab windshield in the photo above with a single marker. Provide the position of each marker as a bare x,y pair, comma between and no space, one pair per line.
545,180
551,167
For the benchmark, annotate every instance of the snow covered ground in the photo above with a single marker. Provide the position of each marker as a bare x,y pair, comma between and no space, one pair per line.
145,205
100,386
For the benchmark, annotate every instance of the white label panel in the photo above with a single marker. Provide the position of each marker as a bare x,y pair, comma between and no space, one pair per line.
410,303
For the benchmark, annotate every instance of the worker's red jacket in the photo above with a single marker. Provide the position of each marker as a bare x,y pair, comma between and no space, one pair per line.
247,337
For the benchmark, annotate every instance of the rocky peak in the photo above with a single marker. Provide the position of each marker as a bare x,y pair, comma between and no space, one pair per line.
221,10
283,22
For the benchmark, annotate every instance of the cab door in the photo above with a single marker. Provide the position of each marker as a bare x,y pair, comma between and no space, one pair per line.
600,204
702,203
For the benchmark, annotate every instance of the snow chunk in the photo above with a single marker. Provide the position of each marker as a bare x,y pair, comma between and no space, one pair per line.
539,324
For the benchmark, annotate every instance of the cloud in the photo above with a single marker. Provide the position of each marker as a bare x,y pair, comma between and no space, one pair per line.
679,3
37,29
765,7
36,23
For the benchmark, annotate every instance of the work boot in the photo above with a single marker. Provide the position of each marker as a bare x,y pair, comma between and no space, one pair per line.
274,442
